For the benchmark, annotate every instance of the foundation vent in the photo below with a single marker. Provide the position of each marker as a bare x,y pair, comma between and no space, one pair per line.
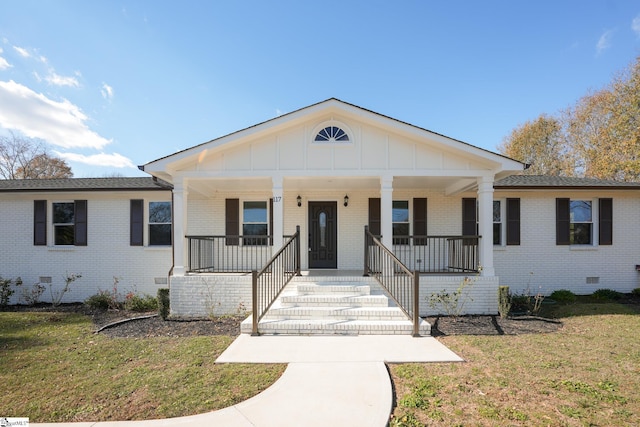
593,280
44,279
160,280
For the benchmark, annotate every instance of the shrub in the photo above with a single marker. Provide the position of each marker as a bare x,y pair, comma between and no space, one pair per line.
32,296
145,302
452,303
56,297
563,295
163,303
636,292
103,300
504,301
607,295
6,291
520,303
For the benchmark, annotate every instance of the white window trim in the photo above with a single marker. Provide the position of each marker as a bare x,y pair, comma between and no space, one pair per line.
595,224
52,232
335,123
146,237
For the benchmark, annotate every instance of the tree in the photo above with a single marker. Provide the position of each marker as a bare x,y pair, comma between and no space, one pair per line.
604,128
599,137
23,158
541,144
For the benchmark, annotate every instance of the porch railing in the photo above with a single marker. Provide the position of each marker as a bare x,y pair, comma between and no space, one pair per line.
228,254
438,254
401,284
267,283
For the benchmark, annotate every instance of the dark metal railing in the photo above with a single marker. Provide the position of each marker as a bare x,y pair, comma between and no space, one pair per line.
401,284
267,283
438,254
228,254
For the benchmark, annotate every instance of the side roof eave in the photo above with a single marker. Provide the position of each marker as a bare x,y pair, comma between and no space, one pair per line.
161,166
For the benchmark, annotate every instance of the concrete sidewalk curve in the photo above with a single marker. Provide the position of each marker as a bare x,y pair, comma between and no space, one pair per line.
307,394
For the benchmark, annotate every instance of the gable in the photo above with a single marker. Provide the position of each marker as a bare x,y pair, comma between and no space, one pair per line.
369,145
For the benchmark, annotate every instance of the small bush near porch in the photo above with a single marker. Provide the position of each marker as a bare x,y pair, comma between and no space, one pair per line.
585,373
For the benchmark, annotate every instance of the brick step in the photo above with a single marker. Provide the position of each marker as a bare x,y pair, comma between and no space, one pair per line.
332,287
335,327
334,300
336,313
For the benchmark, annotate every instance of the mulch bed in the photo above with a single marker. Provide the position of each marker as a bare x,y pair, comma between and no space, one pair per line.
230,325
491,325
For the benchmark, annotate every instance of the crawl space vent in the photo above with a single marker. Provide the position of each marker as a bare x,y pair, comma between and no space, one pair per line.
593,280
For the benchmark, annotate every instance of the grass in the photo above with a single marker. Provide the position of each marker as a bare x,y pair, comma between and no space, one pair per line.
584,375
54,369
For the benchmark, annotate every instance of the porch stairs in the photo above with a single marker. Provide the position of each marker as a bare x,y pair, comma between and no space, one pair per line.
334,305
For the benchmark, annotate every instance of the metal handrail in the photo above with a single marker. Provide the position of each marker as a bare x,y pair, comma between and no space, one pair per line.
268,283
401,284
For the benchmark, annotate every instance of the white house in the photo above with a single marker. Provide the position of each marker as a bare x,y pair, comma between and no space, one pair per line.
442,207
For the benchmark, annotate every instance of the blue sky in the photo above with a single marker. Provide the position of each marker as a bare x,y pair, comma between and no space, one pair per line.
110,85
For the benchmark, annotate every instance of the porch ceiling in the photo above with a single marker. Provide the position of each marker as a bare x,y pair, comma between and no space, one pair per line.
211,186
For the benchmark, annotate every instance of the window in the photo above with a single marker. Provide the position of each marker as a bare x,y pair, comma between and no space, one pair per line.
159,223
580,226
255,223
69,223
332,134
400,215
63,223
584,222
497,223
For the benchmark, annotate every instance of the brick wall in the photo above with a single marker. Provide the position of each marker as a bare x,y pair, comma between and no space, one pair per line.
141,269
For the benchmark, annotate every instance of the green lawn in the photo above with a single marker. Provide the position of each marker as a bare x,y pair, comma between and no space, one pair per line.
53,368
586,374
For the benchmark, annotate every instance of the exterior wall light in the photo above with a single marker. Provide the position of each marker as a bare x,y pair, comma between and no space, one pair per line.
299,199
346,200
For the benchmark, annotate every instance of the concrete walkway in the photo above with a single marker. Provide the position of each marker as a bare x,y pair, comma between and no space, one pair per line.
330,381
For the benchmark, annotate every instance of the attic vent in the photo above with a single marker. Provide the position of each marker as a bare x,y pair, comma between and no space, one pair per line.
593,280
332,134
44,279
160,280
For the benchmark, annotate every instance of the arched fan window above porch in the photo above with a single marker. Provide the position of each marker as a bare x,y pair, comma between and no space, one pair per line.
332,134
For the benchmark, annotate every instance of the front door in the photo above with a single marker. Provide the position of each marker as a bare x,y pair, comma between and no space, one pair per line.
323,235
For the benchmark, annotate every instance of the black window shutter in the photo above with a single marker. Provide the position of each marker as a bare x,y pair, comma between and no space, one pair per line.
605,226
136,228
232,221
40,222
563,221
271,221
80,223
469,221
374,216
420,221
513,221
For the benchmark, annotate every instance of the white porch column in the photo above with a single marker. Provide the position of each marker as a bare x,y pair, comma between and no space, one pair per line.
386,210
180,194
278,214
485,224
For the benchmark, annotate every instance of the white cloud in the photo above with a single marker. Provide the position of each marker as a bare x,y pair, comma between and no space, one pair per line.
604,42
635,25
106,91
22,51
58,80
4,64
114,160
59,123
